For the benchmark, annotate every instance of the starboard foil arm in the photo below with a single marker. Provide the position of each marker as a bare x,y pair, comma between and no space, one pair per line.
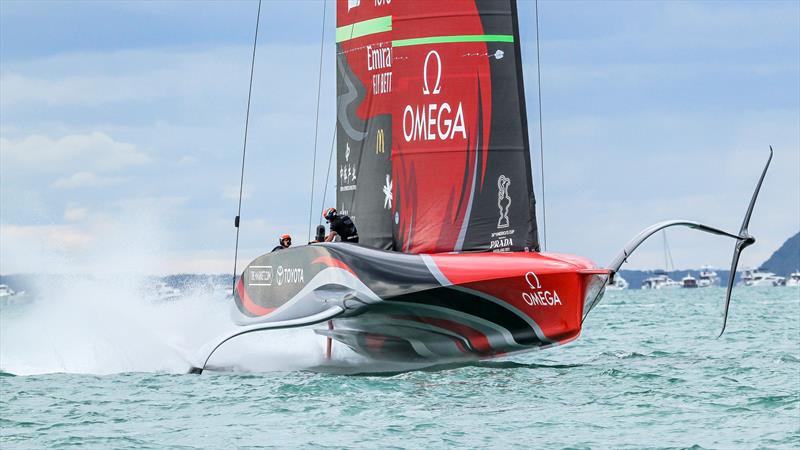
209,349
743,240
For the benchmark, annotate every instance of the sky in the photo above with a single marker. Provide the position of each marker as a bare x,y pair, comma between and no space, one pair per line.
121,128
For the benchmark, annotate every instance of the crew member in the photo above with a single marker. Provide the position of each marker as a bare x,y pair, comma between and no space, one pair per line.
285,241
341,226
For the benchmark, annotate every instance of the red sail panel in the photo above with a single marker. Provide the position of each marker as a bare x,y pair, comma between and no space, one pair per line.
431,119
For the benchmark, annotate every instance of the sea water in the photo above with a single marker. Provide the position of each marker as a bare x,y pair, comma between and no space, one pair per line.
87,366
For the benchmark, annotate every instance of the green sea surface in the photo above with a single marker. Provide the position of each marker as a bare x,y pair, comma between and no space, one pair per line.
647,372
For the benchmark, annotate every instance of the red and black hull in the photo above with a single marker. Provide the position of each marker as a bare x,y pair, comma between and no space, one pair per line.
440,308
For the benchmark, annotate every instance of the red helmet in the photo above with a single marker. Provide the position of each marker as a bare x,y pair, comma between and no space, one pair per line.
329,213
286,236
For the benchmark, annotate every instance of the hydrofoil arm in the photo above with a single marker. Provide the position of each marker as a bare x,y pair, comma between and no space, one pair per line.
743,240
212,347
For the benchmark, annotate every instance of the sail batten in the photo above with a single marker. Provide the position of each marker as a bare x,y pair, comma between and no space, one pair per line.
432,152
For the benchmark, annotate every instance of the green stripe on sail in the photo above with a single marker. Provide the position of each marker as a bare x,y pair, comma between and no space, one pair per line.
365,28
450,39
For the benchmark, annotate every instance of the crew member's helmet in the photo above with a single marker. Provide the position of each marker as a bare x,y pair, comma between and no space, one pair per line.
329,214
285,237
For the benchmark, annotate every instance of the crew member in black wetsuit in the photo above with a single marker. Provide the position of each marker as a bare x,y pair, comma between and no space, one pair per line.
341,226
285,241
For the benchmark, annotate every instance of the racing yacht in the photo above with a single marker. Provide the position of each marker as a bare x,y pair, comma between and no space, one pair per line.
434,167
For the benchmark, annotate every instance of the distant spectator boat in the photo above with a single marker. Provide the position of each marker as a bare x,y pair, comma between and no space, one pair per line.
794,279
618,284
660,281
689,281
10,296
708,278
757,277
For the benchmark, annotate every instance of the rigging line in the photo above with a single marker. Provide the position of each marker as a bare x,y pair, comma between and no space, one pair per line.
541,139
333,145
316,121
244,146
328,173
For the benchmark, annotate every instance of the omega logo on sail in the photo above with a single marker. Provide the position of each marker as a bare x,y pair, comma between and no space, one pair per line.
536,296
428,121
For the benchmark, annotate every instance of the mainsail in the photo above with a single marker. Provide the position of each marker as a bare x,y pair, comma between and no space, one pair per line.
432,146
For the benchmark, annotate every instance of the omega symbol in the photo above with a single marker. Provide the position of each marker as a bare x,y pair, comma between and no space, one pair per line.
436,86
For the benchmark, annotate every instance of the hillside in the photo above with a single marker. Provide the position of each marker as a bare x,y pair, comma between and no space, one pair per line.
786,259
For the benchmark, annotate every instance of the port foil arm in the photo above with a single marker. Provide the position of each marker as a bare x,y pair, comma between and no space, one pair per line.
328,314
743,240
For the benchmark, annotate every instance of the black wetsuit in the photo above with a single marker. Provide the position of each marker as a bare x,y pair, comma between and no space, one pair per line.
345,228
280,247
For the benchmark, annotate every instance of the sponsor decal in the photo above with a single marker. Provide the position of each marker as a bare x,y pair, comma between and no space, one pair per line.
266,276
347,177
430,121
352,4
503,200
536,295
387,193
380,58
380,142
288,275
503,239
383,2
347,172
436,87
260,275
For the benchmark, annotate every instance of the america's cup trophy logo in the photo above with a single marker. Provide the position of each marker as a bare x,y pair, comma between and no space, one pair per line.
503,200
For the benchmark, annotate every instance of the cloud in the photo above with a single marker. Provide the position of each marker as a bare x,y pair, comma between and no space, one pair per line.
124,240
87,179
93,151
186,160
40,248
75,213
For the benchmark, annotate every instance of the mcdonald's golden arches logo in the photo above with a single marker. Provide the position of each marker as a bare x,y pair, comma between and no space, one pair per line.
380,142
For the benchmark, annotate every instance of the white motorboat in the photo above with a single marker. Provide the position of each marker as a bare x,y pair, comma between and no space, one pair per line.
757,277
793,280
689,281
10,296
660,281
619,284
708,277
